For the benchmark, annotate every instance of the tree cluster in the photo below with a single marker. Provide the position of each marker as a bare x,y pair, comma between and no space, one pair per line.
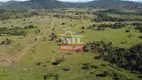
130,59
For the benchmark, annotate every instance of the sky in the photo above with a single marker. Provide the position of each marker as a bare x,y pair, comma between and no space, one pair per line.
70,0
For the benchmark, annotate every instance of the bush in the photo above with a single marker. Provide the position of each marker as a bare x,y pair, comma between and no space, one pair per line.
86,66
7,41
57,62
30,27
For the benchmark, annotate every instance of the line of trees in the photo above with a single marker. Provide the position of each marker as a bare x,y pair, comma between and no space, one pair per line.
13,14
119,11
17,31
104,25
104,17
13,31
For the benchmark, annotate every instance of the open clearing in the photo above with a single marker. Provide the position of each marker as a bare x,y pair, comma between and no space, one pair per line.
30,57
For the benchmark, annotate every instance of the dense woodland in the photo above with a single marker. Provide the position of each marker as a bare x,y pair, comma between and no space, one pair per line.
125,58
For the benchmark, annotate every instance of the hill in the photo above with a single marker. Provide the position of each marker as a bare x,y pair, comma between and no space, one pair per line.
114,4
50,4
2,3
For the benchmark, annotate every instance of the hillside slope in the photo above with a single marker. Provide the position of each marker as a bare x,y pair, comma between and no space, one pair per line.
50,4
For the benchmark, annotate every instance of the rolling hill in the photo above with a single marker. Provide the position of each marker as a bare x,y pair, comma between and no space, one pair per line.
50,4
2,3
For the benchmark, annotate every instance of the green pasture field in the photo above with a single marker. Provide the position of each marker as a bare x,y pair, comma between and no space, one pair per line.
27,52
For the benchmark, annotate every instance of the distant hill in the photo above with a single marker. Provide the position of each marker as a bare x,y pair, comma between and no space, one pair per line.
50,4
35,4
114,4
2,3
13,2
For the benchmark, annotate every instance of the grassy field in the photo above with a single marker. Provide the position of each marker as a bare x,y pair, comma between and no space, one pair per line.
19,60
